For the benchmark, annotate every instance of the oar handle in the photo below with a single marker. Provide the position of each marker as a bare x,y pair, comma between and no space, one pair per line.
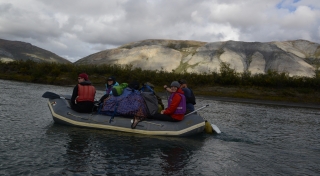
197,110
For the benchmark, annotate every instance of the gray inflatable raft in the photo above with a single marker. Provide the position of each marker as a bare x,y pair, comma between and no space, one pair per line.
63,114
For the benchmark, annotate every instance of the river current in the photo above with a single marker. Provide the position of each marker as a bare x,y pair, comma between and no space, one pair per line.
255,140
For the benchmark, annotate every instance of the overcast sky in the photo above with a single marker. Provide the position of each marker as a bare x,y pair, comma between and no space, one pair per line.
74,29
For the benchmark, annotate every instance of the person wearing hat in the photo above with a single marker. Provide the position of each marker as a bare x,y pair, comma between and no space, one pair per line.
188,93
176,105
111,81
190,98
83,94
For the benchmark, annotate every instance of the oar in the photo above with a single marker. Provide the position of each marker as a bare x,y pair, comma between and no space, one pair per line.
209,128
52,95
197,110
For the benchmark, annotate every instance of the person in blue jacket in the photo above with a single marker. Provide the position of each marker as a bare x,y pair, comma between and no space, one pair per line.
188,93
111,81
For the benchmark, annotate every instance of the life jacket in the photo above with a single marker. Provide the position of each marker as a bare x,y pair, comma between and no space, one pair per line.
181,109
86,93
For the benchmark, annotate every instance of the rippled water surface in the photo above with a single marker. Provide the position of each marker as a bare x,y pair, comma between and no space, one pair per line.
255,140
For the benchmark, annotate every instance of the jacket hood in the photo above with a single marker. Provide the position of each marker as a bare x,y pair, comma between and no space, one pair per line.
86,83
179,90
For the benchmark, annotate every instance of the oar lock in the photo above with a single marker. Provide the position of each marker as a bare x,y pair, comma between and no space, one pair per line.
53,103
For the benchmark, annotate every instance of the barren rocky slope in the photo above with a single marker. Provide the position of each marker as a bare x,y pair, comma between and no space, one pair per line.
297,58
16,50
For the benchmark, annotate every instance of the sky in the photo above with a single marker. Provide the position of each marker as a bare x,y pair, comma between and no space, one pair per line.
74,29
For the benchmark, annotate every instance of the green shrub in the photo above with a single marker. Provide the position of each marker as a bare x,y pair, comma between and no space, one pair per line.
66,74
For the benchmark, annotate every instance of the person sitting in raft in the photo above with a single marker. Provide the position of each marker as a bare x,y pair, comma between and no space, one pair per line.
82,98
176,105
188,93
111,81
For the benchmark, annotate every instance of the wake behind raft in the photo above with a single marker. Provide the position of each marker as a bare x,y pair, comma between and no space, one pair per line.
63,114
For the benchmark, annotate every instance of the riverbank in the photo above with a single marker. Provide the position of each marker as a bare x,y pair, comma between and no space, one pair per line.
267,96
227,95
273,86
254,95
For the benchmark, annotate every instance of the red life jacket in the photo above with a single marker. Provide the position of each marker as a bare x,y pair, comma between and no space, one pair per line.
86,93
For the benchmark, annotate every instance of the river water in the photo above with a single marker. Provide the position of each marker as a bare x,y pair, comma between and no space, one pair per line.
255,140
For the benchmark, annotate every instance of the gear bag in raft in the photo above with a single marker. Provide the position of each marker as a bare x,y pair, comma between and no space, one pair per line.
130,103
153,102
118,90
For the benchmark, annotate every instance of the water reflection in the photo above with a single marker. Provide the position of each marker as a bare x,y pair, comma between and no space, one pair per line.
174,159
111,152
77,152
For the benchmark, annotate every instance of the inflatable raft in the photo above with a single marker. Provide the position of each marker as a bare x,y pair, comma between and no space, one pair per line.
63,114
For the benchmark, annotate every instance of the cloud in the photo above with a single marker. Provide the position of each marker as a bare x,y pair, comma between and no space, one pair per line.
77,28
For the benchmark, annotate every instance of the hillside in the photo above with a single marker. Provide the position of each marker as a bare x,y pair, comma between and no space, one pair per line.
16,50
297,58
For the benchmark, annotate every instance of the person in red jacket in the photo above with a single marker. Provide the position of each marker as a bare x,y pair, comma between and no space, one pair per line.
176,105
82,99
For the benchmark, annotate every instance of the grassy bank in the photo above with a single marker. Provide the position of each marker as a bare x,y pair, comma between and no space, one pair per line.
258,93
227,83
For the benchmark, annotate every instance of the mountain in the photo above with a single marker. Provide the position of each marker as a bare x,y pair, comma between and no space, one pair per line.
16,50
297,57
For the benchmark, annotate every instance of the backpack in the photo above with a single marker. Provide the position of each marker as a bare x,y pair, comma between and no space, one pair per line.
118,90
153,102
192,98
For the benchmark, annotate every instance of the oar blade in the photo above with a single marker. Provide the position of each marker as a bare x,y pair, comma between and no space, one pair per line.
50,95
215,128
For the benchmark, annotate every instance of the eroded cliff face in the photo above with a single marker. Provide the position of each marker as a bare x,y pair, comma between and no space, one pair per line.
297,58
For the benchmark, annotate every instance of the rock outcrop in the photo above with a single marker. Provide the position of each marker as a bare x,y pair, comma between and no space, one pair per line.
297,58
16,50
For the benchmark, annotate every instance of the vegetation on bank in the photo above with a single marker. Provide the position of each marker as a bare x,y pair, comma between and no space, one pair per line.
271,86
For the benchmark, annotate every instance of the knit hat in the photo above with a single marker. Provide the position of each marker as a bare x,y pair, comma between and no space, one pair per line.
182,81
84,76
134,85
175,84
